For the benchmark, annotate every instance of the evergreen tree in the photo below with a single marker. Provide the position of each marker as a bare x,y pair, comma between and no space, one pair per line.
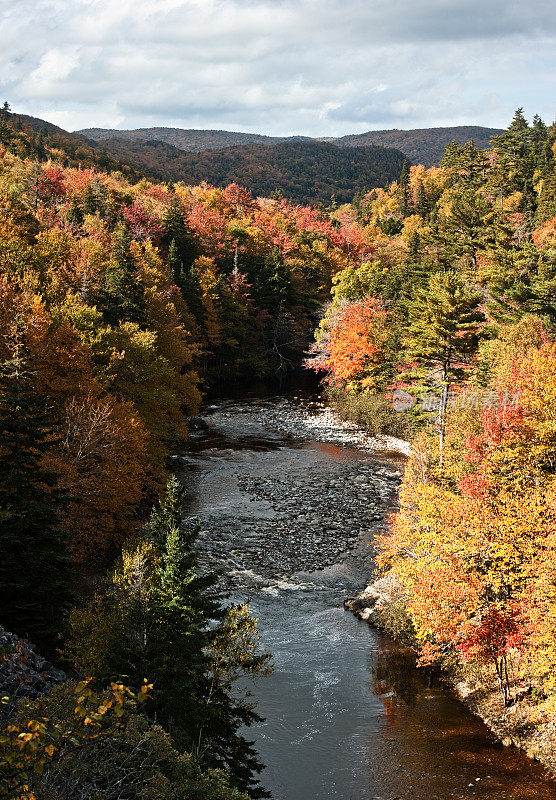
515,165
34,567
271,282
522,278
122,298
74,213
179,239
421,202
461,234
90,203
157,621
404,186
443,328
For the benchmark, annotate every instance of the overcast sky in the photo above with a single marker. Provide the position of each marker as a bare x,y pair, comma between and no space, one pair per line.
315,67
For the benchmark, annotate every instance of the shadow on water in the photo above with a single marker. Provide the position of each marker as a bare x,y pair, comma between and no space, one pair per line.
440,749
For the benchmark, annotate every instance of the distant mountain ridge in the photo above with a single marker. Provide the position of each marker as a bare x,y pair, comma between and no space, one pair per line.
188,140
421,145
304,171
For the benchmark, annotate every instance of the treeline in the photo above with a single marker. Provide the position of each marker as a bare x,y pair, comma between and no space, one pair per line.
120,302
452,322
305,172
30,137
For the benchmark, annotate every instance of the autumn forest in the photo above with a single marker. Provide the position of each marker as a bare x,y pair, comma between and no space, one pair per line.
425,305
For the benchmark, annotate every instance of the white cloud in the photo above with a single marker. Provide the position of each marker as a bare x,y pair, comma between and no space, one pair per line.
318,67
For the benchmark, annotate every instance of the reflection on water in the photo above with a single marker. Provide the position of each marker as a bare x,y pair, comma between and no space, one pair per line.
348,716
440,749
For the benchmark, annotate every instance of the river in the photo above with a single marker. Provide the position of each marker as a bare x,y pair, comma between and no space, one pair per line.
347,714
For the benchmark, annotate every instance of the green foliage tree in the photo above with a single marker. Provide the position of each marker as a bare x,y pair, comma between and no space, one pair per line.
122,297
404,186
443,328
521,279
34,568
179,241
159,618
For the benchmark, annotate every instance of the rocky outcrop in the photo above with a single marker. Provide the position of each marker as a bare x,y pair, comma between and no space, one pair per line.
23,672
374,597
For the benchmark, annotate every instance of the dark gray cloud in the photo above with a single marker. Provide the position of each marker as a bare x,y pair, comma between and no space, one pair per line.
319,67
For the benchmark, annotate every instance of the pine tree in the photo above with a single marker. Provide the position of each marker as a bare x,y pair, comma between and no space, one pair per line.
179,239
157,621
271,281
420,201
515,165
443,328
34,567
404,186
122,298
74,213
461,235
90,204
522,278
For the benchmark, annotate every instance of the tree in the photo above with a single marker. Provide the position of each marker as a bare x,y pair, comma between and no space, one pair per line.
122,295
444,328
352,344
178,238
404,186
89,744
520,276
34,568
160,618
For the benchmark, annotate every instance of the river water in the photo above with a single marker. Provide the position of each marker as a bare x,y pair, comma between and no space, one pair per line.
347,714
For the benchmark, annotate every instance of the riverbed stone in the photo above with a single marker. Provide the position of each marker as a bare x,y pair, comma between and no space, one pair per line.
295,521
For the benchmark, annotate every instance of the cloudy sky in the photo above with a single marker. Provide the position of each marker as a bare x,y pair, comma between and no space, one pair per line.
316,67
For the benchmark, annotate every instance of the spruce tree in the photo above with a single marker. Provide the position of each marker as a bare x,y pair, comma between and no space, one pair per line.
404,186
121,298
74,213
34,566
179,238
157,621
522,278
443,328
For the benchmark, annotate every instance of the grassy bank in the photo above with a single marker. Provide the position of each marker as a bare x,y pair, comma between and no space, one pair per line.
372,412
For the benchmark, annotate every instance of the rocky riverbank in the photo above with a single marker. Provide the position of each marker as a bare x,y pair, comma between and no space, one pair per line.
23,672
294,511
321,423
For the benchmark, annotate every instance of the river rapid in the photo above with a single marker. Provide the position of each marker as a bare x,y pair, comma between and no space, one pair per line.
289,503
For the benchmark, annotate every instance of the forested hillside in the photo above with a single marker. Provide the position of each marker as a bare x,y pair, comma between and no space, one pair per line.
123,298
422,145
306,172
447,333
120,302
31,137
192,141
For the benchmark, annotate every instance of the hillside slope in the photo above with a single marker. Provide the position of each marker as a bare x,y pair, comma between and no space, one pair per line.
189,140
422,145
308,172
32,137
